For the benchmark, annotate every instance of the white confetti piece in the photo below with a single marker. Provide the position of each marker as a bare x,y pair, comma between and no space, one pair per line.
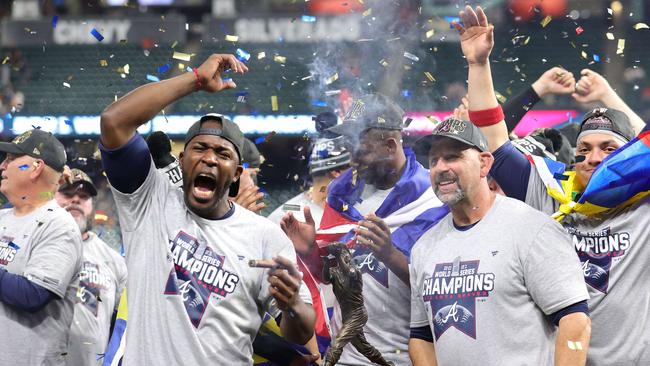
182,56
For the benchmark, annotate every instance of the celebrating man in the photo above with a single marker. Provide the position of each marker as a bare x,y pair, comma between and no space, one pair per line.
193,299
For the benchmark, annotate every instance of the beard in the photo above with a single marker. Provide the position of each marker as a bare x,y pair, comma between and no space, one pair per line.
85,223
448,198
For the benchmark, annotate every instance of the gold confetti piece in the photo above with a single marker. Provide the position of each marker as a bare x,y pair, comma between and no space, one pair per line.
429,33
230,38
126,68
354,177
46,195
5,60
620,46
500,97
103,63
429,76
261,55
345,207
181,66
174,44
383,62
526,40
433,119
609,36
279,59
545,21
583,54
66,84
274,103
367,12
638,26
182,56
332,78
269,136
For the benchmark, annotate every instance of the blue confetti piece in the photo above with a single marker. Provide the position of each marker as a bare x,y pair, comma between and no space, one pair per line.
596,58
242,55
68,122
163,69
323,153
97,35
308,18
259,140
406,93
36,127
319,103
188,69
570,117
13,245
152,78
451,20
55,19
246,165
23,167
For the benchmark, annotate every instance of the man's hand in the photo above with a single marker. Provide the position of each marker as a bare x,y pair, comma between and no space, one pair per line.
248,198
302,234
476,35
591,87
555,81
374,233
212,68
285,283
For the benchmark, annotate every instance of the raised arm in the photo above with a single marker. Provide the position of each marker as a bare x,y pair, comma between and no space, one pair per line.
593,87
120,120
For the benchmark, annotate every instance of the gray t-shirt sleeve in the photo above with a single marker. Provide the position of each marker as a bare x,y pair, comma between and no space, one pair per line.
55,257
133,208
552,270
536,195
418,313
278,244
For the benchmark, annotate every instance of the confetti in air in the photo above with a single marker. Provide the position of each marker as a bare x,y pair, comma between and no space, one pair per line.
308,18
97,35
55,19
242,55
182,56
231,38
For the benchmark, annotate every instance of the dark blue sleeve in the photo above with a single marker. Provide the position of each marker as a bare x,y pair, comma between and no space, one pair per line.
19,292
511,170
517,106
579,307
423,333
127,166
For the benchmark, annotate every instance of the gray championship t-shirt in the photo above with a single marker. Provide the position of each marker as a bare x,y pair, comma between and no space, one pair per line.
614,249
45,247
486,292
99,286
193,299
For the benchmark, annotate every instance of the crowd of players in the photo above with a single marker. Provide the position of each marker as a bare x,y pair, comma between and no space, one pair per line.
462,263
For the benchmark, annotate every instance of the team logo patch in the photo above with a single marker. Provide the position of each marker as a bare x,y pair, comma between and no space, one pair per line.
8,250
369,264
197,274
452,293
91,283
596,250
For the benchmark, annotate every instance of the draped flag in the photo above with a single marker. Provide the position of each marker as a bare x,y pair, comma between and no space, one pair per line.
115,349
620,180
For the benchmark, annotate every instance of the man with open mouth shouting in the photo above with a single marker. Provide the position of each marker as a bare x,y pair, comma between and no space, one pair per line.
193,298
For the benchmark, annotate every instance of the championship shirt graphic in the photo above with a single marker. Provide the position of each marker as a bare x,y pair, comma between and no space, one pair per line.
91,283
8,250
452,291
596,250
197,276
367,263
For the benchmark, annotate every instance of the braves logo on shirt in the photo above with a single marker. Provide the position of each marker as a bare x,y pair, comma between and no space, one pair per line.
91,283
196,276
452,291
367,263
8,250
596,250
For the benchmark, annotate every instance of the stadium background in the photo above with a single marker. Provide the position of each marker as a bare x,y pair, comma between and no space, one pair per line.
305,57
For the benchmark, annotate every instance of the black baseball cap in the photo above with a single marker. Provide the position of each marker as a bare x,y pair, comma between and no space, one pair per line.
38,144
371,111
229,131
608,121
81,180
463,131
328,154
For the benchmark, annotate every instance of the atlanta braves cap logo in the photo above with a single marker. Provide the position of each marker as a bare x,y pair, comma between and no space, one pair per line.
20,139
451,126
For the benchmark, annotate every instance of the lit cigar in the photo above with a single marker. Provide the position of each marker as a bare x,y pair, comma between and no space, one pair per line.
263,263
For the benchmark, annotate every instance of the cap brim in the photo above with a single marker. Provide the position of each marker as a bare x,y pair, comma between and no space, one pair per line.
233,191
88,187
423,144
11,148
346,129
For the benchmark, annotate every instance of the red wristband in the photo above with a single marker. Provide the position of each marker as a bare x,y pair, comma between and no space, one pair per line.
198,81
487,117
